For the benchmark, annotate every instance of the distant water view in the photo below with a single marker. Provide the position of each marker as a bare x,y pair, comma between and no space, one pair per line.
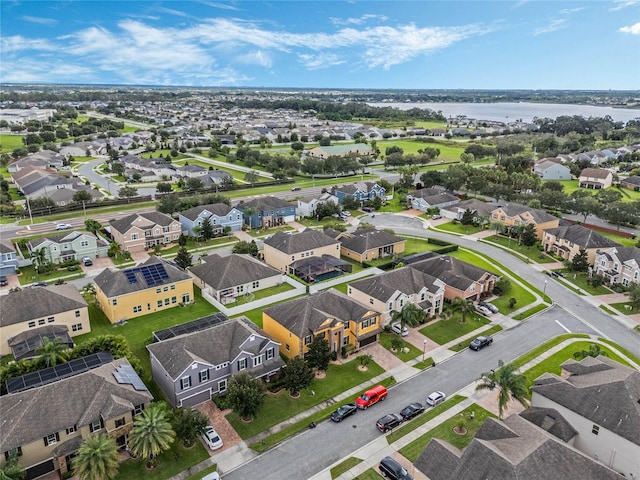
511,112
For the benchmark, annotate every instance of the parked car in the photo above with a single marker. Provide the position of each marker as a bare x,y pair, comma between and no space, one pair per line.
3,281
480,342
412,410
296,189
436,398
483,310
490,306
345,213
211,476
367,209
87,262
63,226
390,468
211,438
389,422
343,412
436,217
39,284
371,397
399,329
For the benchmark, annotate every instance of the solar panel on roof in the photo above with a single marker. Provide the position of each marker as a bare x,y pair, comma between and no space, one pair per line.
190,327
126,375
131,275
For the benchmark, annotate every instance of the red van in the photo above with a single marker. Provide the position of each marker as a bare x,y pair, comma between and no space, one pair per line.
371,397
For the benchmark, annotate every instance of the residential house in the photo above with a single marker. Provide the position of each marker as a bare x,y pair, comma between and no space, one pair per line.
46,425
428,198
330,314
359,149
41,159
551,168
8,258
481,210
155,285
24,313
36,182
360,191
594,157
392,290
595,178
140,231
64,196
461,279
568,241
371,244
513,215
307,206
618,265
632,183
68,246
221,217
150,170
267,212
191,171
231,277
511,449
600,398
282,249
84,149
190,368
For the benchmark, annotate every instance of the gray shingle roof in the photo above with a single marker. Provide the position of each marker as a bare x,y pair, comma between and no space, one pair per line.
232,270
450,270
364,240
627,253
264,204
216,345
406,280
540,216
34,303
114,282
633,180
600,390
582,236
550,420
595,173
218,209
79,400
300,242
122,225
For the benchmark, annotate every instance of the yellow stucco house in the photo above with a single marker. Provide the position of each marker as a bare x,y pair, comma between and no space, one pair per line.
370,244
515,215
567,241
330,314
282,249
150,287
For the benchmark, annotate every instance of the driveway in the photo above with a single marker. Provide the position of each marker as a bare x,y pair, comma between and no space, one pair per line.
217,419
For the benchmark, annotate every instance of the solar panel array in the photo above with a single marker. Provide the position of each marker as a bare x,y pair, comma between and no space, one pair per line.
190,327
153,274
126,375
58,372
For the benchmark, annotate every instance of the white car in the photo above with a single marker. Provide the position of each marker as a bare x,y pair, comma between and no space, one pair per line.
211,438
63,226
211,476
436,398
399,329
483,310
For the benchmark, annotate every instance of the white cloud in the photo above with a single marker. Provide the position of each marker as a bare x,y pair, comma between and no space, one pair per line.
18,43
258,57
222,6
40,20
632,29
317,62
358,20
554,24
171,11
620,4
569,11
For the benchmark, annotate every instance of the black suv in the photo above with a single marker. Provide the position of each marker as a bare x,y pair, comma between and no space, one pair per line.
479,342
412,410
3,281
343,412
389,422
392,469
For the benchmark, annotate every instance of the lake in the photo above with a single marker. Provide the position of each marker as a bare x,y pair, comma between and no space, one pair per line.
510,112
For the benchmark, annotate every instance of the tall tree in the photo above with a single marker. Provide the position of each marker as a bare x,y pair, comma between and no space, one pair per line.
410,314
92,225
188,424
183,258
248,214
464,306
296,375
127,192
82,196
510,383
152,433
53,351
206,231
580,261
97,458
319,354
12,470
115,250
529,238
245,395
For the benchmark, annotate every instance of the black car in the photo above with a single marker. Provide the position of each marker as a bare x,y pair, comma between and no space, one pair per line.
392,469
412,410
389,422
479,342
39,284
343,412
3,281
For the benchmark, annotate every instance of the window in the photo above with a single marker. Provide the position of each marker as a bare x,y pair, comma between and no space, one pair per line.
71,430
255,284
95,426
222,385
364,324
345,340
307,340
14,451
114,301
159,303
84,243
242,364
41,322
138,409
166,301
137,309
240,288
77,313
287,347
371,301
185,298
203,376
120,422
173,287
50,320
51,439
349,290
257,360
422,296
76,327
185,382
134,236
165,289
595,429
270,354
158,290
174,299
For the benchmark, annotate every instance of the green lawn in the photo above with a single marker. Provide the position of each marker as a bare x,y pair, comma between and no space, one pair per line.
625,307
536,352
487,332
8,143
386,340
370,474
192,245
418,245
530,312
457,227
280,406
444,431
532,253
621,349
624,241
443,331
202,473
448,151
580,281
344,466
29,275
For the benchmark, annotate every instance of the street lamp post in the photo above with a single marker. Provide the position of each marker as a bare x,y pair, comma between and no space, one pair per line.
424,348
544,289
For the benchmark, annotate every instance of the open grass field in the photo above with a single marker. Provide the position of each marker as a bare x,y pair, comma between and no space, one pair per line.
624,241
443,331
457,227
8,143
448,152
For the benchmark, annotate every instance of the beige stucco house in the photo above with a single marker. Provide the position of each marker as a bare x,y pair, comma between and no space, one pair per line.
282,249
568,241
140,231
514,215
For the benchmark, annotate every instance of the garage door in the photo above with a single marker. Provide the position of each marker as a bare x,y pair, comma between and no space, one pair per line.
368,341
196,399
40,470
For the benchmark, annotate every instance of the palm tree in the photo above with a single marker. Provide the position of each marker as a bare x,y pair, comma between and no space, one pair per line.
410,314
97,458
53,351
39,258
151,433
510,383
594,351
90,289
115,249
249,212
464,306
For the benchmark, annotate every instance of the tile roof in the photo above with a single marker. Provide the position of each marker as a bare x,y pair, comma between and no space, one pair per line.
406,280
299,242
232,270
582,236
364,240
35,413
41,302
218,209
141,220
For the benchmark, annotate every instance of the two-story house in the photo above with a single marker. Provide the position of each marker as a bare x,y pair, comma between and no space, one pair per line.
228,278
480,210
222,217
283,249
551,169
370,244
359,149
267,212
618,265
330,314
568,241
390,291
600,398
69,246
8,258
45,425
514,215
152,286
144,230
190,368
307,206
360,191
595,178
29,315
427,198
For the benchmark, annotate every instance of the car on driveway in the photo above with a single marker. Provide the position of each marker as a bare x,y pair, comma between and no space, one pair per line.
483,310
412,410
480,342
211,438
389,422
63,226
390,468
436,398
490,306
399,329
3,281
436,217
87,262
343,412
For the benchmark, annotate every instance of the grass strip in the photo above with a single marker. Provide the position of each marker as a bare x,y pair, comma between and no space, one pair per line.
536,352
622,350
443,331
487,332
344,466
427,362
532,311
608,310
202,473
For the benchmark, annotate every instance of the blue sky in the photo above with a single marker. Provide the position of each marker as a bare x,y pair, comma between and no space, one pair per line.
325,44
